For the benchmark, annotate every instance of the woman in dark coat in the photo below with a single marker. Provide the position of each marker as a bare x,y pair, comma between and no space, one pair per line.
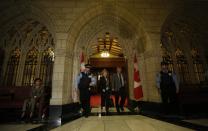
105,90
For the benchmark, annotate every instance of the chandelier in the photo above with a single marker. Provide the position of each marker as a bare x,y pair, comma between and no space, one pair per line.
105,53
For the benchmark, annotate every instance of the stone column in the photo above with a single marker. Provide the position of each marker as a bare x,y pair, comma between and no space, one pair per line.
59,69
152,59
61,102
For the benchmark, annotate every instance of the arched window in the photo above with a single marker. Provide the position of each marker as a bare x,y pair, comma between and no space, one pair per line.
12,67
1,61
198,65
46,67
166,56
30,66
182,66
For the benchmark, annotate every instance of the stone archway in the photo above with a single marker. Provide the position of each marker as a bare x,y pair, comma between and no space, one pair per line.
91,31
140,42
69,46
16,14
184,31
18,20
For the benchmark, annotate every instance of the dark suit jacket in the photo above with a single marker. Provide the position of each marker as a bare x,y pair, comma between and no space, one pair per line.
116,84
103,85
38,92
84,87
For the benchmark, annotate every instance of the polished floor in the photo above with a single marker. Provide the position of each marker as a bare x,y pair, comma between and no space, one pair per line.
112,109
110,123
119,123
17,127
126,121
202,122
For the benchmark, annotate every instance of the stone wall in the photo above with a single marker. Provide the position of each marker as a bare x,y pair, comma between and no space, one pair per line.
69,20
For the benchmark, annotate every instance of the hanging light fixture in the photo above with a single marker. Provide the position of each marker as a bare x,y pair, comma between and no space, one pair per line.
105,53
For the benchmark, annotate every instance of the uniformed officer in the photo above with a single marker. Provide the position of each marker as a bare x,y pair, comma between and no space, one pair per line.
84,81
168,86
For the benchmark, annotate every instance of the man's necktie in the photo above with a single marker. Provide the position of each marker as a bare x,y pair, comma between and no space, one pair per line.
120,79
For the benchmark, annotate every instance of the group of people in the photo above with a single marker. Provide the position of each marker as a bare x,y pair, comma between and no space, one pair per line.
116,84
167,84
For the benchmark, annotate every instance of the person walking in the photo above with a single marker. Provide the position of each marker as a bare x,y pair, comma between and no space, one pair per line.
105,90
84,81
118,86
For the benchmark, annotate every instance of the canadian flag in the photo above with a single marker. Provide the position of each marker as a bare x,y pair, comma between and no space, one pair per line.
75,91
82,64
138,93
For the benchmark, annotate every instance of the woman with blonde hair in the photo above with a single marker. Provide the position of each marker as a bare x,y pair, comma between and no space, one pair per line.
105,90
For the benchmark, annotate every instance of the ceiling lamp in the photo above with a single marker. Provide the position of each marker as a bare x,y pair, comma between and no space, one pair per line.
105,54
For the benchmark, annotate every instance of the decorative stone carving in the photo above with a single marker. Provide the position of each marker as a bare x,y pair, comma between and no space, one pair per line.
195,55
32,56
16,53
180,56
48,55
44,34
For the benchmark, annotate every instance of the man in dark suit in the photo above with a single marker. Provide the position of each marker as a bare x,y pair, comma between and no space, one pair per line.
118,86
36,96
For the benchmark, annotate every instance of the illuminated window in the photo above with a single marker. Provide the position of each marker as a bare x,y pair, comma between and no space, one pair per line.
1,61
198,65
12,67
30,66
166,56
182,66
46,67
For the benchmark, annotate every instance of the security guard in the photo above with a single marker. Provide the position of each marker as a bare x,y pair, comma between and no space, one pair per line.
168,86
84,81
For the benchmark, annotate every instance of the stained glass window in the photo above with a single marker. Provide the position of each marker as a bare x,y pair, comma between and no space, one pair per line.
12,67
198,65
182,66
166,56
30,66
46,68
1,61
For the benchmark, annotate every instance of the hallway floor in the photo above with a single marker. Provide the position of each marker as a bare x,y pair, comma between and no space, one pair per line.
125,121
109,123
119,123
18,127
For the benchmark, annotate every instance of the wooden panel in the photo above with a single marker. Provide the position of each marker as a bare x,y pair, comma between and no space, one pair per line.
107,62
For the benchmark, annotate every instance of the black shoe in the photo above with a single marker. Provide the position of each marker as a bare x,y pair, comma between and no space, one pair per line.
83,113
22,120
122,109
118,111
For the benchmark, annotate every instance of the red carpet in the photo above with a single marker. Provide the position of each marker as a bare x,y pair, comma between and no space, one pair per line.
95,100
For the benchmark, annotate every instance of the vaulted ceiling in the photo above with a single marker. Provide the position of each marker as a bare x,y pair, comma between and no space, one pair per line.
108,43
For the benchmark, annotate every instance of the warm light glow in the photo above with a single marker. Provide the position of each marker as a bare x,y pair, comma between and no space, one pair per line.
105,54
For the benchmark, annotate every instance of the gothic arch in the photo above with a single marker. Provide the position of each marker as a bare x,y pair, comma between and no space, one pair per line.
185,31
26,24
21,13
132,22
134,26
